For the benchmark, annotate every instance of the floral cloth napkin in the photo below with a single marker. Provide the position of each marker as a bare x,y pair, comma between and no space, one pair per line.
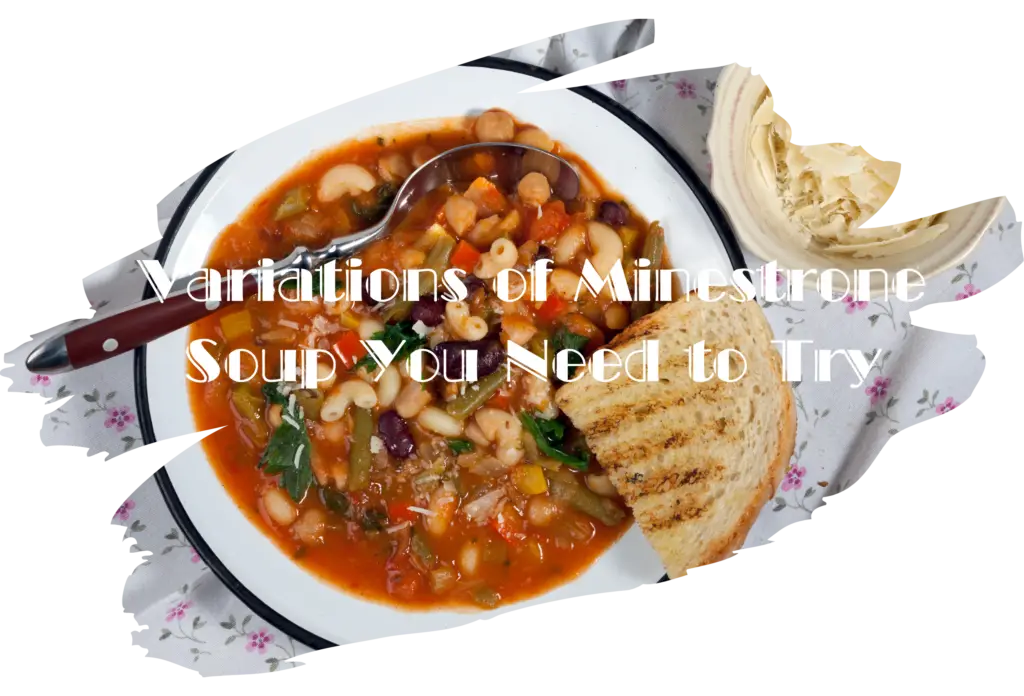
193,620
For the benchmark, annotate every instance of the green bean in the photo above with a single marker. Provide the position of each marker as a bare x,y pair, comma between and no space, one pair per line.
437,261
247,402
359,455
653,250
310,400
476,395
584,500
420,547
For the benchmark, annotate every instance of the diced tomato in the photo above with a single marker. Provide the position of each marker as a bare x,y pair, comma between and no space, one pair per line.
499,401
349,348
465,256
553,219
400,512
552,308
509,525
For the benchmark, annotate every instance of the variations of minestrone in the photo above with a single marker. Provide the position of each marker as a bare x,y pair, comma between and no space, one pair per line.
424,494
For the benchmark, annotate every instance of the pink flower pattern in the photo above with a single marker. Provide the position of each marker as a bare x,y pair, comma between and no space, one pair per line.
177,611
970,290
259,641
879,390
39,379
853,305
686,89
618,85
946,406
125,511
794,478
119,418
195,555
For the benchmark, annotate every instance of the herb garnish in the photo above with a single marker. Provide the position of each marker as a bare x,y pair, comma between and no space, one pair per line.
549,435
287,452
372,212
460,446
397,337
567,340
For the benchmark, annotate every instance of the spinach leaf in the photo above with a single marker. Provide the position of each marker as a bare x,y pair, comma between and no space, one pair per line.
549,434
374,209
460,446
288,450
567,340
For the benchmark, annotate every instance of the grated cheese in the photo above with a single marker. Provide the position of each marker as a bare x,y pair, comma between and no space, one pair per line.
376,444
298,454
397,528
422,511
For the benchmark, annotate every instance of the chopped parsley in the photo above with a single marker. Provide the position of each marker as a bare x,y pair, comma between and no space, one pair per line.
460,446
374,209
288,450
549,435
400,340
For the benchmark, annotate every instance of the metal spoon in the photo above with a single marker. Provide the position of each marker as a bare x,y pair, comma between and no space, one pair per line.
148,320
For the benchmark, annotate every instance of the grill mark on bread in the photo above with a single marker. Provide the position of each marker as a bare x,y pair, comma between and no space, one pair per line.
638,486
611,418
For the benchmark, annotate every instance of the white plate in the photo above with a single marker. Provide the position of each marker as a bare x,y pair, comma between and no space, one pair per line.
295,600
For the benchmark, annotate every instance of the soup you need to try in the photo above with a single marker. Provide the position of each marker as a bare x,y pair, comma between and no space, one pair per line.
446,492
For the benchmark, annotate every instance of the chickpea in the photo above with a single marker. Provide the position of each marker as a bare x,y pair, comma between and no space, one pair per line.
542,511
495,127
423,154
536,138
616,316
460,213
534,189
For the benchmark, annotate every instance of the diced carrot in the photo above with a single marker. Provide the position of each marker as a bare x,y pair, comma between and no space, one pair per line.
529,478
499,401
553,219
552,308
465,256
508,524
400,512
489,200
349,348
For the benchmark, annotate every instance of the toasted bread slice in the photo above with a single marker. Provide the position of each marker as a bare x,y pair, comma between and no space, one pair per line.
696,461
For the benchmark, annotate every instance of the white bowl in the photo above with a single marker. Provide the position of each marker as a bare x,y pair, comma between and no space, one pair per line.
761,225
632,159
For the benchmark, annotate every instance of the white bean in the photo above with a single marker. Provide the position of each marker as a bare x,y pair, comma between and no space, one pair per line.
344,179
278,506
388,386
601,484
564,283
368,327
310,526
607,246
411,400
569,244
439,422
469,558
542,511
325,375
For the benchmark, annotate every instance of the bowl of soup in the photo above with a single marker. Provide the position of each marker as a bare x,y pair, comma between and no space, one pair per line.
373,503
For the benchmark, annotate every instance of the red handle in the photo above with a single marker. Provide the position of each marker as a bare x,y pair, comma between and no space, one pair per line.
137,326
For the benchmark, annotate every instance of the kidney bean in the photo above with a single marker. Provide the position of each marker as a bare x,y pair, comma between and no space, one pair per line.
428,310
613,214
394,431
489,356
